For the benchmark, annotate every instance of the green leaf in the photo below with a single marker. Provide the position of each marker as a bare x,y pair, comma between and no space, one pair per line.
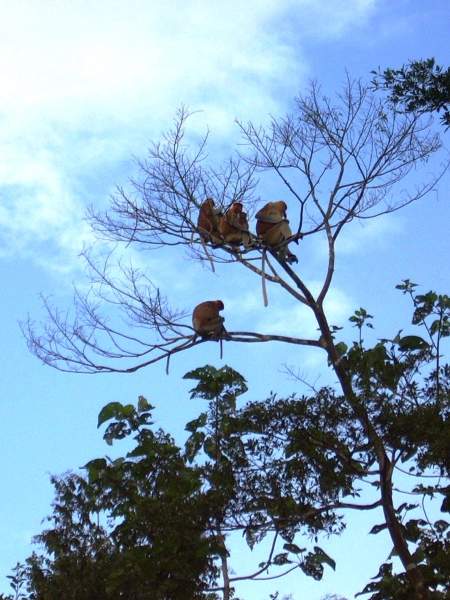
312,567
413,529
405,506
441,525
143,404
281,559
193,445
408,454
210,447
412,342
95,467
377,528
385,570
419,555
127,411
196,423
370,587
341,348
323,557
406,286
110,411
293,548
250,538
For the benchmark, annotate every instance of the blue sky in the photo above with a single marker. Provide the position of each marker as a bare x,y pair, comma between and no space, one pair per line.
88,85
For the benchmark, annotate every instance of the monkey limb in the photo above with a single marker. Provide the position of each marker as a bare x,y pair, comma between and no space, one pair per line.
208,256
263,279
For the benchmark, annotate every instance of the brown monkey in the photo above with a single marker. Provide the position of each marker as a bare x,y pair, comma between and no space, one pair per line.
206,319
233,226
272,226
208,222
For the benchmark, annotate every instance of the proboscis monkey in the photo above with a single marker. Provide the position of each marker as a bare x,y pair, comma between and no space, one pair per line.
206,320
272,226
208,222
233,226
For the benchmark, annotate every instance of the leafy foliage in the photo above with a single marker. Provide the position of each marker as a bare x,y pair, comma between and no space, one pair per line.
421,86
154,541
156,522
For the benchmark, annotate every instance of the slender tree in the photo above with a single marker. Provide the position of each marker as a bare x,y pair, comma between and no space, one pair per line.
354,147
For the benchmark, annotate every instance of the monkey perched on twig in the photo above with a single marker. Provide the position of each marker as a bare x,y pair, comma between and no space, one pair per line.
272,226
233,226
206,320
208,222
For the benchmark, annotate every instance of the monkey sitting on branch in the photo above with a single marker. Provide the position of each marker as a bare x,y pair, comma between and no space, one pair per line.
208,223
272,226
207,322
233,226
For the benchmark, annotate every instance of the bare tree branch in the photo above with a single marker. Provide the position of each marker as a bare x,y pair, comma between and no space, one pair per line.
351,147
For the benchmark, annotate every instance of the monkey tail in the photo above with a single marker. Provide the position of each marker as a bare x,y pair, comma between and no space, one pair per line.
208,256
221,348
167,363
263,278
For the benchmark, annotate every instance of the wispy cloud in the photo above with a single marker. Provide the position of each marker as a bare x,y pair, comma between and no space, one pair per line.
85,85
282,318
370,235
335,18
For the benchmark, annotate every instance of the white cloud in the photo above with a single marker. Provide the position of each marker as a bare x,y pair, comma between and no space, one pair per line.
37,201
127,60
371,234
87,84
334,18
284,317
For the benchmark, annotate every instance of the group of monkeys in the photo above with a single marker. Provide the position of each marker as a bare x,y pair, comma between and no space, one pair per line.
231,227
217,228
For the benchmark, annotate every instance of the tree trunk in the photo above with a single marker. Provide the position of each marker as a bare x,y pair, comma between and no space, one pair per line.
225,576
393,525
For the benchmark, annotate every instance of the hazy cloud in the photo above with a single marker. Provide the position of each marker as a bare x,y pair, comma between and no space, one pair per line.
283,319
85,85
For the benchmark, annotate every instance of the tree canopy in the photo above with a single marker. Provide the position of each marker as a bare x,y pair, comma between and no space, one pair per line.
157,522
420,86
285,467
